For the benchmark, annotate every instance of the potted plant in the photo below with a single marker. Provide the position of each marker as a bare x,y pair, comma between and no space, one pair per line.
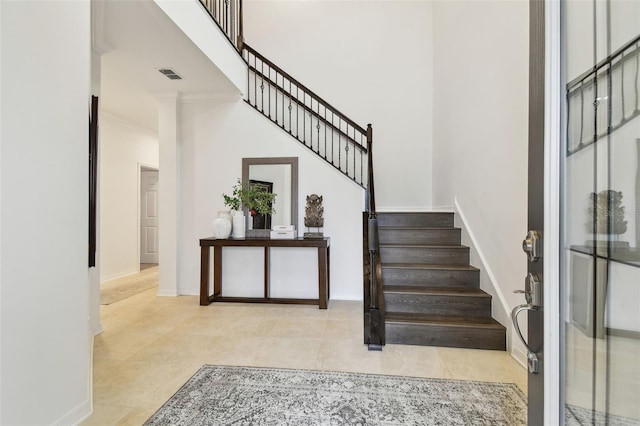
252,197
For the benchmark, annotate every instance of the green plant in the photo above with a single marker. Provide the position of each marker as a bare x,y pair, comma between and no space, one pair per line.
251,196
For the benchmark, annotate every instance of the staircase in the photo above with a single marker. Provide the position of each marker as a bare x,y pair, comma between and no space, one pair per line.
419,288
431,293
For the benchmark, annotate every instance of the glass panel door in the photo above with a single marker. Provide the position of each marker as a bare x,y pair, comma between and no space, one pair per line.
600,219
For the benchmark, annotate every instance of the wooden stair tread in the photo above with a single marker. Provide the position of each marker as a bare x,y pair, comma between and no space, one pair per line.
448,320
430,267
436,291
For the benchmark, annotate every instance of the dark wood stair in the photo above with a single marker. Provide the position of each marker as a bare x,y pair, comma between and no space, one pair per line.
432,294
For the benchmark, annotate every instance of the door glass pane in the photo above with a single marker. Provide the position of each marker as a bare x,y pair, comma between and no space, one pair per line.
600,220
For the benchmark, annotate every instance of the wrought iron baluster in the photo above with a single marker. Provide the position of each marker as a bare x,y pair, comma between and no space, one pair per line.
636,80
621,86
339,143
297,113
290,107
318,128
262,86
283,92
332,142
269,89
580,143
304,117
325,132
354,154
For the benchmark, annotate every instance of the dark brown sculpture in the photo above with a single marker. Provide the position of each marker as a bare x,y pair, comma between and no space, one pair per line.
313,215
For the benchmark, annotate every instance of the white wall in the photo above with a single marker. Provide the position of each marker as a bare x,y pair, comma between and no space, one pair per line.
123,148
480,128
215,138
46,342
372,61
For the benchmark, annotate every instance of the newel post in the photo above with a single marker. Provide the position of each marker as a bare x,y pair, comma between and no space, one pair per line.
240,38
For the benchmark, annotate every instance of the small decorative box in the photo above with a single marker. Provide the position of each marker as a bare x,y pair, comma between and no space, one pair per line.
283,235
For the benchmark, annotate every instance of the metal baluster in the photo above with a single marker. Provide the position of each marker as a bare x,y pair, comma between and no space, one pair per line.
332,143
621,86
304,117
255,81
636,81
361,160
262,86
325,132
283,101
269,88
354,154
318,128
580,144
346,149
339,144
290,108
297,113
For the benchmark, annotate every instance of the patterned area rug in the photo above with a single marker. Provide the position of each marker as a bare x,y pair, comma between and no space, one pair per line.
578,416
122,288
266,396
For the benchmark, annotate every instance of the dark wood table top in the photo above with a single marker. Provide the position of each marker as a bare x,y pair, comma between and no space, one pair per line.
265,242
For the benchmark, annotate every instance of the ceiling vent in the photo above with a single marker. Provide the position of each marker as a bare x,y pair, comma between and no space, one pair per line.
170,74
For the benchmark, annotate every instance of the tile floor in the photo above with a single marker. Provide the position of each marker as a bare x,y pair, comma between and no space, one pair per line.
152,345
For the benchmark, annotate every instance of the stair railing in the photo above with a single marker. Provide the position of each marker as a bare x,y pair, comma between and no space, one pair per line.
596,101
227,14
303,114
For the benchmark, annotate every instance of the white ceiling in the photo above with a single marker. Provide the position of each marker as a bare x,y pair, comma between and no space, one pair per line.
143,40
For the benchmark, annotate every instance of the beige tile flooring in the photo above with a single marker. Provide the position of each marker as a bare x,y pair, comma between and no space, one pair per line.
152,345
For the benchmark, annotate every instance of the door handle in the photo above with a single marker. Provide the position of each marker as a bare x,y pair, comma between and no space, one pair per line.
533,296
532,359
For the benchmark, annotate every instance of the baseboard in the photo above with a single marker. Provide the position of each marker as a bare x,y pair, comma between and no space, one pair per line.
118,276
85,409
347,297
168,293
519,356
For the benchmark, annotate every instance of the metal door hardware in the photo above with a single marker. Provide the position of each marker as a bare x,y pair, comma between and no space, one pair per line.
532,245
533,295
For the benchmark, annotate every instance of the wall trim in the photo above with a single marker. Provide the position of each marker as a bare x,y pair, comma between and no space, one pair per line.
85,409
119,275
171,293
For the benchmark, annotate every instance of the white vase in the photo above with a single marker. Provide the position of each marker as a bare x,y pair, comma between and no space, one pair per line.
238,224
222,225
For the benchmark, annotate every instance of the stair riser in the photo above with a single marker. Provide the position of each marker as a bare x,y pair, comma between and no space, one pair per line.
443,335
429,277
426,256
420,236
430,304
415,219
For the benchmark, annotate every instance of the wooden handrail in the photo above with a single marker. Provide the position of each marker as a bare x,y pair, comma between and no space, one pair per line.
304,88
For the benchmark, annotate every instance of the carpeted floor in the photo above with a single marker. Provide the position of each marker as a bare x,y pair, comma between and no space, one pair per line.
218,395
122,288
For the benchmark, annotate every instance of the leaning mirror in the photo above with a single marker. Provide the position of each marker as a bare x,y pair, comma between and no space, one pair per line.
278,175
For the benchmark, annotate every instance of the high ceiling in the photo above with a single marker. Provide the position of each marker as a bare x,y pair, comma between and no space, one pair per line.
140,39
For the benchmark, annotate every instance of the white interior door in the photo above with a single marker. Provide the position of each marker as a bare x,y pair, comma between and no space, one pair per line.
149,216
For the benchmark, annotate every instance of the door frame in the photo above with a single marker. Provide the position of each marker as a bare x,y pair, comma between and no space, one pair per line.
142,167
554,119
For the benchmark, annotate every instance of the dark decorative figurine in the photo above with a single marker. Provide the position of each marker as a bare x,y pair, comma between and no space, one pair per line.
313,213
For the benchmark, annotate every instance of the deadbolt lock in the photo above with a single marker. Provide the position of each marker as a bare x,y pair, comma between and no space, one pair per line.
532,245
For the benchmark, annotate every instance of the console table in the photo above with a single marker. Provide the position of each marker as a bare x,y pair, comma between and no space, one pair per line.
322,244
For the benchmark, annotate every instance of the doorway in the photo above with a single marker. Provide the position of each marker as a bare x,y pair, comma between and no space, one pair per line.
149,226
600,226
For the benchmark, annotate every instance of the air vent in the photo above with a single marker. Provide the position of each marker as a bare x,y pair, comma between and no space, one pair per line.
170,74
